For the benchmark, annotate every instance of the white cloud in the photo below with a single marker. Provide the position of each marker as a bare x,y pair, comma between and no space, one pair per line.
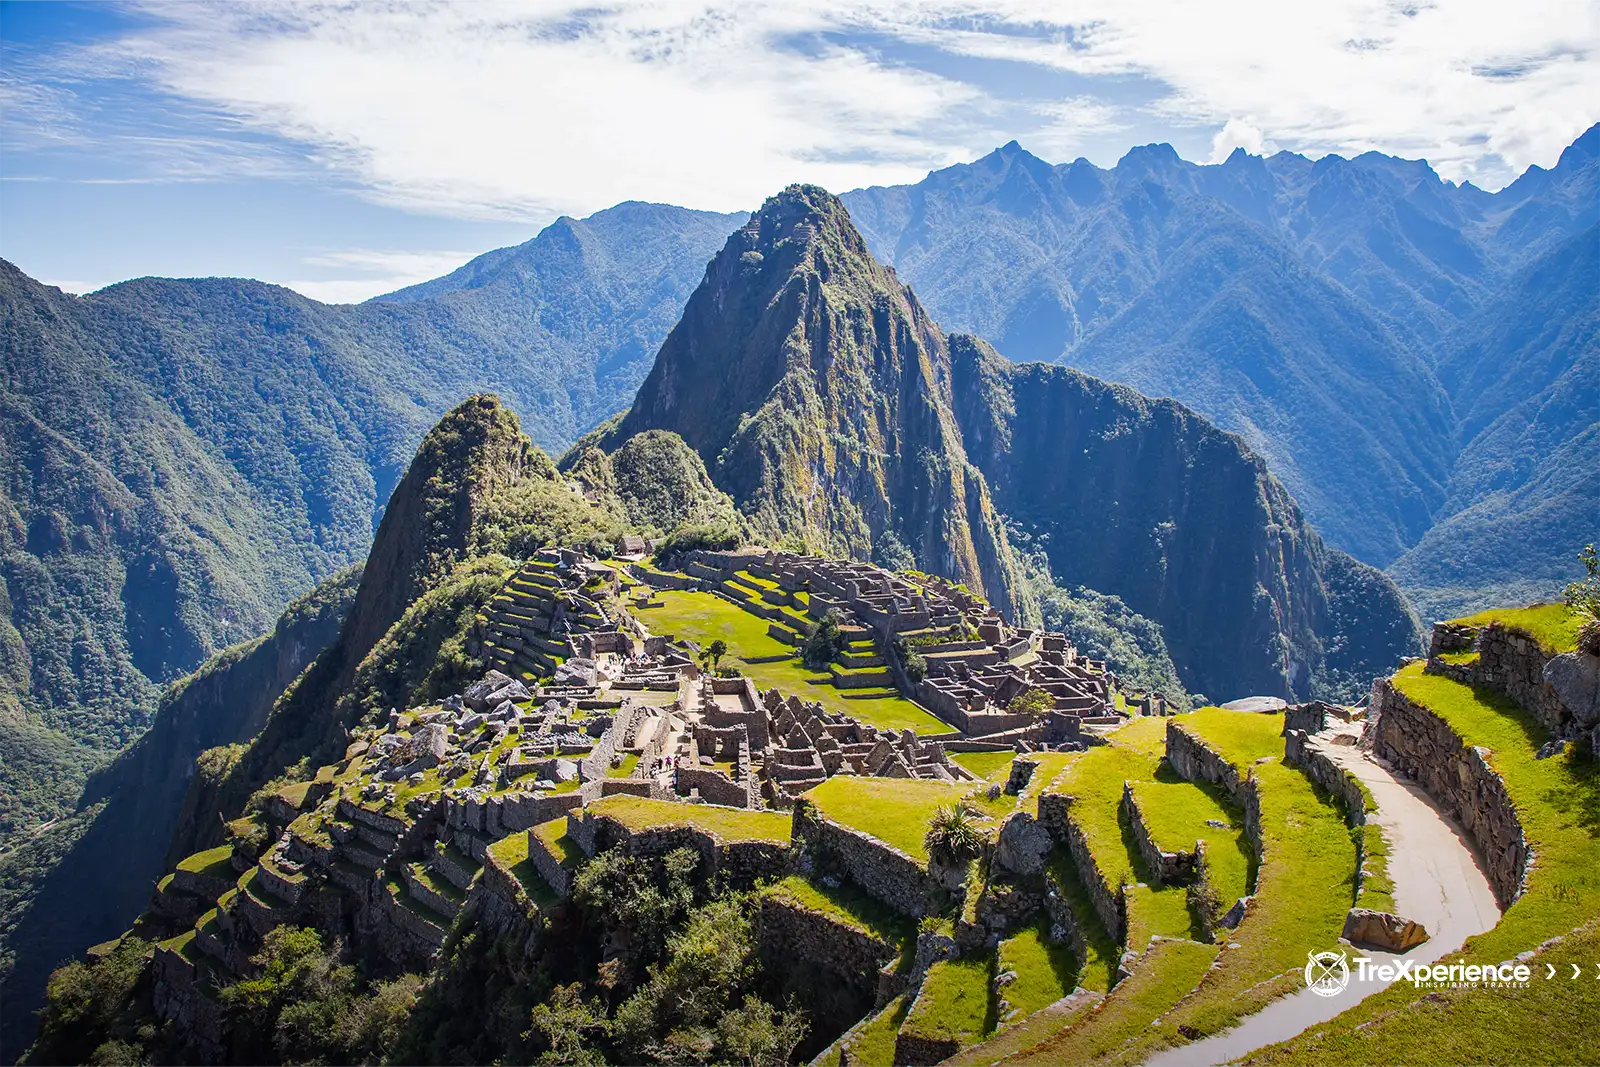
494,109
363,273
1235,133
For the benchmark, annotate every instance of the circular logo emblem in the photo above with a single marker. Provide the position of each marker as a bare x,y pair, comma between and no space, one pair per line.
1327,973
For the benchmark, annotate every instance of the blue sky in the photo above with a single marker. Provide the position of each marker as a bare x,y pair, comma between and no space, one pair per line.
346,150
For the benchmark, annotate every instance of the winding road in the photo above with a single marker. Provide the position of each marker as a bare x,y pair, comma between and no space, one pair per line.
1437,882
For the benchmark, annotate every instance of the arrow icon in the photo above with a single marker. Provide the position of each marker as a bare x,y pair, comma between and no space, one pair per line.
1576,970
1551,968
1597,972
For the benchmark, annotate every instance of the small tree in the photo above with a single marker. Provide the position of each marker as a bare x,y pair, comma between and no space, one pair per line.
716,650
916,667
826,641
953,834
1583,597
1031,702
562,1021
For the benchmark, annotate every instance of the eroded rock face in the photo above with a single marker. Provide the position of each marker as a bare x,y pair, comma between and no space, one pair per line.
1391,933
1575,677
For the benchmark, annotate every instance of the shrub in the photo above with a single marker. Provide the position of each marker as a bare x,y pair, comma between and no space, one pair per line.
1583,597
953,834
826,641
1031,702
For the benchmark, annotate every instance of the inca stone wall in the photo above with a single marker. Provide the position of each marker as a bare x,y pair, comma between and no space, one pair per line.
1167,868
1297,751
1513,663
1055,811
790,931
1417,741
882,870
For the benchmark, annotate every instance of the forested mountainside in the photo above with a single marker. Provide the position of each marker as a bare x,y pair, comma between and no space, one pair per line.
1524,376
87,876
817,392
838,415
1320,309
180,458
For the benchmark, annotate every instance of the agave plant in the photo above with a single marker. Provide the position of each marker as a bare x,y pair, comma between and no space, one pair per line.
953,834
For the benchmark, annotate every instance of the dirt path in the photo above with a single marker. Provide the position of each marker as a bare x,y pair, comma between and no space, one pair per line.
1437,882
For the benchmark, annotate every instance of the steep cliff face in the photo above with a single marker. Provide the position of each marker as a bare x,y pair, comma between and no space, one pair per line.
817,391
1147,500
103,878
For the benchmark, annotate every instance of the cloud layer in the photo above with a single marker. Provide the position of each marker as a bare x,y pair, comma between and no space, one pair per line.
494,109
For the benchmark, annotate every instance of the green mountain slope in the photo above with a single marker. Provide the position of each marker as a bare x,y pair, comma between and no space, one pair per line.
832,409
815,388
1525,493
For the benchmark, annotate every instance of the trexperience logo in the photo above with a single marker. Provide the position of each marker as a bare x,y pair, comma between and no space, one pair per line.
1328,973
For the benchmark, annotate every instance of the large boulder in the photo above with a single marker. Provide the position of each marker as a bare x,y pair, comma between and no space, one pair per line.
577,671
476,696
1575,677
1023,845
1391,933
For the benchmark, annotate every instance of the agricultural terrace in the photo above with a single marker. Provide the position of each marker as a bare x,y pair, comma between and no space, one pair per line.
1555,626
847,906
1094,781
1558,803
954,1003
1043,972
727,824
704,617
894,810
1303,889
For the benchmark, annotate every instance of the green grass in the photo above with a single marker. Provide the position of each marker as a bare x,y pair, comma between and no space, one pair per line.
1460,659
1095,780
625,769
728,824
983,764
874,1045
212,863
1303,889
1555,626
1045,972
894,810
847,906
1558,803
1099,970
954,1003
510,854
1163,975
1377,889
702,617
1010,1040
1176,815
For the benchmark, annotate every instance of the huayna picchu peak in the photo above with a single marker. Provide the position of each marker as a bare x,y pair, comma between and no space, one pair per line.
838,415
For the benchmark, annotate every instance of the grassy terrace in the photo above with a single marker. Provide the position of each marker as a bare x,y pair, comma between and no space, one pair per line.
954,1003
847,906
1178,814
1095,780
874,1043
983,763
1045,972
510,854
894,810
1166,971
1303,890
1099,970
1558,803
728,824
212,863
703,617
1555,626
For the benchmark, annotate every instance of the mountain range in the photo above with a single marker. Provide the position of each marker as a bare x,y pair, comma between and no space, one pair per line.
1353,350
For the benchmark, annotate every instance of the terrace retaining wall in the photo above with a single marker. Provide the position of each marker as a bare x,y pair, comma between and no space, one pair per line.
1055,812
882,870
1167,868
791,931
1420,743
